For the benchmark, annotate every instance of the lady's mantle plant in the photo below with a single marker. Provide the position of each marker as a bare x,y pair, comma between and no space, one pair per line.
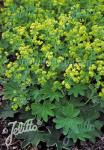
52,62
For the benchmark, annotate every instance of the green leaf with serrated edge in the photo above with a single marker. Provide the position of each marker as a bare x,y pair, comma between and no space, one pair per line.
51,138
78,89
54,139
47,92
75,125
31,138
43,110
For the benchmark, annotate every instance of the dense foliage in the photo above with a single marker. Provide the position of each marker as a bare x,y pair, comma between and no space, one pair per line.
52,62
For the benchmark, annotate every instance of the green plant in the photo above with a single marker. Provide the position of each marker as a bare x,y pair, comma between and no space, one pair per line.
52,62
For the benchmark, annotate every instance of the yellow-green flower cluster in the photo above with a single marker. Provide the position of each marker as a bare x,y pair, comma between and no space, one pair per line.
92,69
8,2
20,30
25,51
53,42
101,94
11,67
73,72
58,2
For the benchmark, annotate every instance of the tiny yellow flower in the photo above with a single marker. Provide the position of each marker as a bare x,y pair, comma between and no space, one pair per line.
67,86
63,82
14,99
15,107
9,65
